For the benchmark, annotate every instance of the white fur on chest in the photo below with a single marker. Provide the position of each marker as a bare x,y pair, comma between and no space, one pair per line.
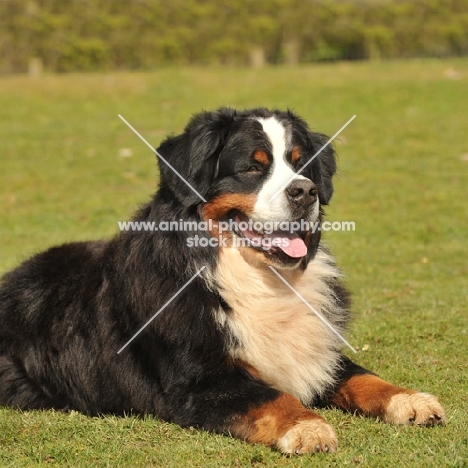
275,332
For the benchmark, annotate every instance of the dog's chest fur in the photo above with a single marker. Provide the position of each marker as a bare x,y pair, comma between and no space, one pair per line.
273,330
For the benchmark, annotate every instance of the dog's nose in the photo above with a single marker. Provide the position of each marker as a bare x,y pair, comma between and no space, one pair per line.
302,192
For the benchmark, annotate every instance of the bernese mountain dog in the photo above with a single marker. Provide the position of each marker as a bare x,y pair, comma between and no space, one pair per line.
246,340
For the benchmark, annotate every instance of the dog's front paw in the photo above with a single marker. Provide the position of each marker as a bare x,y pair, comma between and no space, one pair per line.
307,436
416,408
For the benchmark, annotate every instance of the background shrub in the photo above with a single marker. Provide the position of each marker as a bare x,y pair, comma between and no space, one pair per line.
88,35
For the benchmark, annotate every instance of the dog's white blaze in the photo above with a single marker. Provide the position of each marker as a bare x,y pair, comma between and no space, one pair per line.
275,332
278,208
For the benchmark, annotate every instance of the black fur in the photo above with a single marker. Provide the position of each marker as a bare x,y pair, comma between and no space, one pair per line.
66,312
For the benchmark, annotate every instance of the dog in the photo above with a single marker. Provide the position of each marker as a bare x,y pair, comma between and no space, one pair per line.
242,329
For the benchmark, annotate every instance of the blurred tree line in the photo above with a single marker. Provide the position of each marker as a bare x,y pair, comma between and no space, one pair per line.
87,35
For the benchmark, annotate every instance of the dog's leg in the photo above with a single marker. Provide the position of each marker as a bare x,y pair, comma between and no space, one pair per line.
236,402
284,423
18,390
362,392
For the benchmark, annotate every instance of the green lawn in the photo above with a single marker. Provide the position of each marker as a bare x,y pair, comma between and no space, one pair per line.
403,180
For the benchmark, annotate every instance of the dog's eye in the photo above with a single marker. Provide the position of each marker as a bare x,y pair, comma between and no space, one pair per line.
253,170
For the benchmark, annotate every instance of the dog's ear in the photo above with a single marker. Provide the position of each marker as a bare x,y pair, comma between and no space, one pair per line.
323,166
194,155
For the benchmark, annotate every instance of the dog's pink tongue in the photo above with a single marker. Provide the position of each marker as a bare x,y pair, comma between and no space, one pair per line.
290,243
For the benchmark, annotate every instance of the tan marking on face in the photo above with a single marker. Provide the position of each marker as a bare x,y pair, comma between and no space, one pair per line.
218,208
261,157
295,155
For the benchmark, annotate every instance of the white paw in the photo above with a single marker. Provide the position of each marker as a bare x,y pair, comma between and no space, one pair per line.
416,408
312,435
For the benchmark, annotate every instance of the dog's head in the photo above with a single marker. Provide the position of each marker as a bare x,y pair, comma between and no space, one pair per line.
258,170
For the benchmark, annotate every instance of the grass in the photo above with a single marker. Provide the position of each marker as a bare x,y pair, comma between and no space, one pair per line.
403,180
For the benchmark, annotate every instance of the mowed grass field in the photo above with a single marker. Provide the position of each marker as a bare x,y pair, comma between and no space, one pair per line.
70,170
